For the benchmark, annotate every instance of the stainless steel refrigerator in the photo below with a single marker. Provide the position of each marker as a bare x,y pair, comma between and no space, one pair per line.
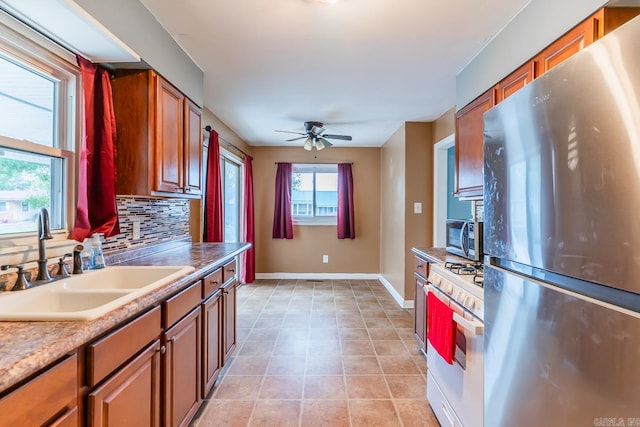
562,243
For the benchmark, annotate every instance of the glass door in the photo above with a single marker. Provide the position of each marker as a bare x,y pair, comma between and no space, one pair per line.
231,198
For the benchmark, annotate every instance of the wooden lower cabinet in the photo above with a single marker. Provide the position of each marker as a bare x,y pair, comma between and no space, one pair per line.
228,319
182,370
130,397
420,311
49,398
211,340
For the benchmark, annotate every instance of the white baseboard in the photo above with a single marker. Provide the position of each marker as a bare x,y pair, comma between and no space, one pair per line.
340,276
319,276
394,293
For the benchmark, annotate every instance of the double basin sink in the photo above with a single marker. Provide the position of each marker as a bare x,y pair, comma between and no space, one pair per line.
89,295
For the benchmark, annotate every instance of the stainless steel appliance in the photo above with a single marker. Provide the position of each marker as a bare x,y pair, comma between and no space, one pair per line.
464,238
562,243
455,391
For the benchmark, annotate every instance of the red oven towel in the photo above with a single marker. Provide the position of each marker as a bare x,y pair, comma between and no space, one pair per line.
441,327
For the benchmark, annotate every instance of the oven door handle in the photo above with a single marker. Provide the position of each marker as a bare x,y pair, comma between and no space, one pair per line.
474,327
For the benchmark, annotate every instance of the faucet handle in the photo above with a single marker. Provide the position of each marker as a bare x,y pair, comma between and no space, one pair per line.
62,267
77,259
21,282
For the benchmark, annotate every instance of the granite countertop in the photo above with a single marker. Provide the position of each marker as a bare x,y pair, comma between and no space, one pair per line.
438,255
27,347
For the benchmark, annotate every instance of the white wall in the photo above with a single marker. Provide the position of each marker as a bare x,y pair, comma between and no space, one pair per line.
132,23
535,27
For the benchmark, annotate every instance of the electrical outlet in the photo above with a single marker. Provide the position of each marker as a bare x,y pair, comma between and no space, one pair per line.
136,230
417,207
325,259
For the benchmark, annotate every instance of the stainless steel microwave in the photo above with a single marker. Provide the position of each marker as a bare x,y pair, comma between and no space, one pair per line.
464,238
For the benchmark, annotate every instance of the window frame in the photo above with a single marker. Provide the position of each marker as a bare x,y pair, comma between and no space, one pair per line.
315,168
30,49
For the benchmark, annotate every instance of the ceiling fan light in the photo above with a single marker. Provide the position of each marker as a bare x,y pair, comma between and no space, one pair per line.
308,144
323,143
319,144
317,130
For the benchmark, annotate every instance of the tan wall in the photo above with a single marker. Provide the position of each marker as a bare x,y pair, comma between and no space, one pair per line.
303,254
392,210
227,135
419,188
444,125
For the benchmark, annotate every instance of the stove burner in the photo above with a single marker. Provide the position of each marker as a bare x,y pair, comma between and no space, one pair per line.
463,268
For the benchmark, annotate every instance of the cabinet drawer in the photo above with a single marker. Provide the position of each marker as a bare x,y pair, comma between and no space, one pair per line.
422,267
211,283
228,271
107,354
42,398
176,307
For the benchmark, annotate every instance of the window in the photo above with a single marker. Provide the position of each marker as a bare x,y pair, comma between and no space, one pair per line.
314,193
37,132
230,175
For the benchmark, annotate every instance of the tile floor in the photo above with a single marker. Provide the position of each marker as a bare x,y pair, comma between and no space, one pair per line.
330,353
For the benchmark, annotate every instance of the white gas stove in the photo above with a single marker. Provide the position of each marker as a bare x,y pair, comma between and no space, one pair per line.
455,391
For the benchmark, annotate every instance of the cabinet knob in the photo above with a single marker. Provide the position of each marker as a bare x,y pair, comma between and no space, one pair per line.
172,339
231,270
162,350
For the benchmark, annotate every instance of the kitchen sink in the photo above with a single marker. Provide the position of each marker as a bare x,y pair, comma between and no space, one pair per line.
87,296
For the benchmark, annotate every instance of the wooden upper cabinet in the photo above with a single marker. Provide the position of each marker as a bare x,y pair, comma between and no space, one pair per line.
159,140
582,35
515,81
469,156
192,148
169,137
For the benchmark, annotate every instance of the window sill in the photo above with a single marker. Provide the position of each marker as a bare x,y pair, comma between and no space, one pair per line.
24,250
304,222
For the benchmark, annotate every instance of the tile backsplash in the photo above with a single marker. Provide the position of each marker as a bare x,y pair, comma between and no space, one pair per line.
164,223
161,220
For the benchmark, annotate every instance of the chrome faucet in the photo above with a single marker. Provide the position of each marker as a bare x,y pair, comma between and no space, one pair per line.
44,233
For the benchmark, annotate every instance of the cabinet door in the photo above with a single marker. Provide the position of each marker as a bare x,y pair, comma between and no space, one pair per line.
420,312
182,370
68,419
515,81
38,401
228,319
192,148
211,341
131,397
566,46
469,145
169,138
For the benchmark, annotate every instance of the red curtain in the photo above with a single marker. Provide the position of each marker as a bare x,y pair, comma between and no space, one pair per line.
248,273
213,229
346,217
96,211
282,223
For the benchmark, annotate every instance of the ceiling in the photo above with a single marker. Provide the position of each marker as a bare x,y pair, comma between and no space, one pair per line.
363,67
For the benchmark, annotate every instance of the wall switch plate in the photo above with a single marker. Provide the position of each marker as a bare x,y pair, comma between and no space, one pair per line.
325,259
417,208
136,230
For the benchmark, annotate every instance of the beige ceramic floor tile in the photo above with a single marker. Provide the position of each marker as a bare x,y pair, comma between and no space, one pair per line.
325,413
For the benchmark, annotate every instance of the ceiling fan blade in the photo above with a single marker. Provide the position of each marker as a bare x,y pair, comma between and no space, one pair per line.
343,137
295,139
288,131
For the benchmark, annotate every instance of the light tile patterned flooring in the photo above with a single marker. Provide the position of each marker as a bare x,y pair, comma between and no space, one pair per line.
330,353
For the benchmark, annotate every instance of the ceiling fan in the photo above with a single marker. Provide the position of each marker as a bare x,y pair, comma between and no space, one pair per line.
315,137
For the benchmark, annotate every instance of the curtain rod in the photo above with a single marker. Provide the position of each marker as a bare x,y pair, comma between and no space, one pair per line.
314,163
229,144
